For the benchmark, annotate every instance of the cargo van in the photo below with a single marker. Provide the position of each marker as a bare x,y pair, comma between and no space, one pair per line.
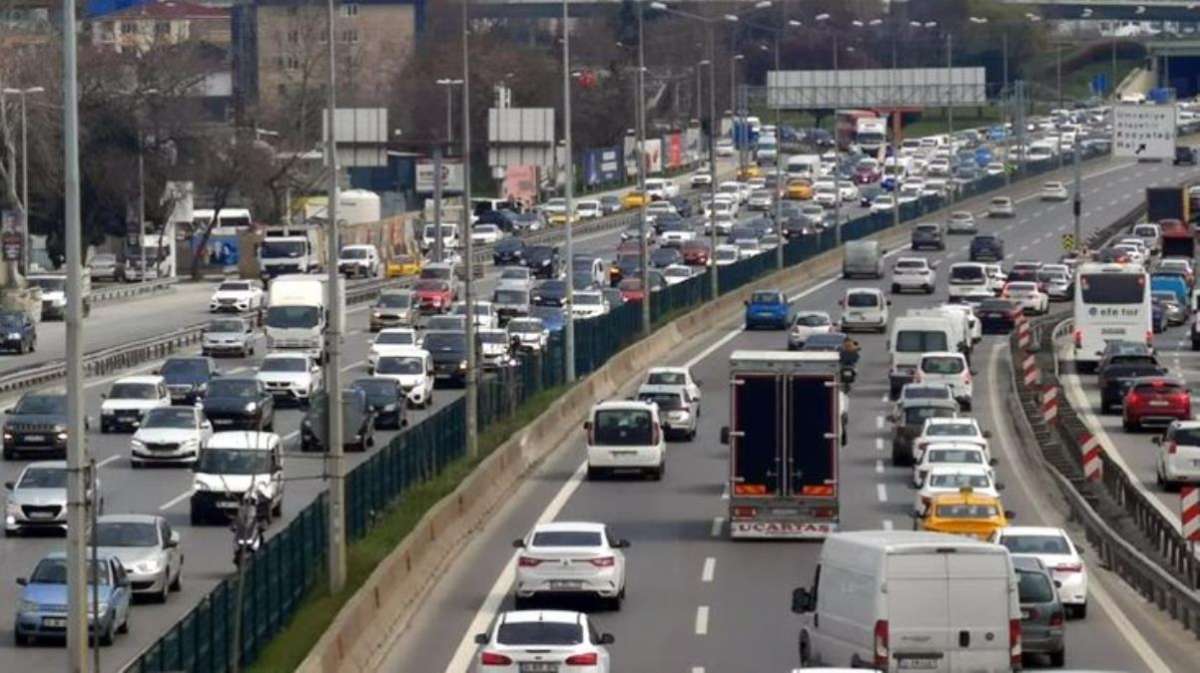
910,338
804,166
906,600
862,258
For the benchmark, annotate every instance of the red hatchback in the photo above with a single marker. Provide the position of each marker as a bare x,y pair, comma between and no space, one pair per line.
695,253
631,289
1156,400
433,296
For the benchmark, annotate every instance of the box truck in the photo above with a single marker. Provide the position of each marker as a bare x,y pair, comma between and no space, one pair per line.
291,249
296,314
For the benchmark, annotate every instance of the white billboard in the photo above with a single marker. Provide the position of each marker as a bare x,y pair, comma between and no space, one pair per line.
906,87
521,125
452,176
1144,131
362,135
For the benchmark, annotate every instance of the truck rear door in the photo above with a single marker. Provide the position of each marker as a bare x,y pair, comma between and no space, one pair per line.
918,618
812,438
755,443
978,599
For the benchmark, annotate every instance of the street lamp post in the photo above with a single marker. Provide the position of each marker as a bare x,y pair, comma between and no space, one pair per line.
735,106
25,256
471,393
569,326
449,84
643,253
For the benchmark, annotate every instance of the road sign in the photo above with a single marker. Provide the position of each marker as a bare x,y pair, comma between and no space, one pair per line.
1068,242
11,242
1144,131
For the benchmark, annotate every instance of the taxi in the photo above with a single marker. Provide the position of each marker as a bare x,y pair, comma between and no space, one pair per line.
749,172
964,513
403,265
634,199
799,190
560,219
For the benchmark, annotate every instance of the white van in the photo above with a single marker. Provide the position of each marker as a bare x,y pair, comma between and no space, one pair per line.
906,600
229,465
963,339
911,337
411,367
804,166
864,308
969,281
625,435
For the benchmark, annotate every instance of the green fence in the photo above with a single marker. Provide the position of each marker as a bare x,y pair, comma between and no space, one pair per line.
291,562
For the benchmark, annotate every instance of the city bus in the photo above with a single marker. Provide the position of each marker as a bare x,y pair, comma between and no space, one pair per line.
1112,303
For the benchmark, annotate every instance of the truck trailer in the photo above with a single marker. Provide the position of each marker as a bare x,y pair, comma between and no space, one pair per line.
785,428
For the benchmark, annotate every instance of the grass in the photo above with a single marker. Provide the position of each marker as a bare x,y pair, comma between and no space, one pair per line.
317,611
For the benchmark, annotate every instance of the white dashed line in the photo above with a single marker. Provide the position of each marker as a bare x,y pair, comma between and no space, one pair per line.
887,524
108,460
702,620
174,501
710,567
717,525
879,467
879,443
879,422
725,491
881,491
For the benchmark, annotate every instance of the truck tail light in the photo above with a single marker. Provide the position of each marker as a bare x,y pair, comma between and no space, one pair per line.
743,512
588,659
1014,643
881,643
494,659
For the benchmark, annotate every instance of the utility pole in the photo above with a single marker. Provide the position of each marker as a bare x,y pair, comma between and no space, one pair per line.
644,269
949,84
77,619
141,204
472,391
778,202
1077,205
336,467
713,126
837,167
1006,100
569,193
1058,69
1020,102
699,114
438,253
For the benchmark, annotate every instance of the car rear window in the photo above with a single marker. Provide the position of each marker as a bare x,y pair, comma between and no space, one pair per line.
1187,436
920,341
539,633
917,415
1159,389
958,480
862,299
566,538
967,511
1034,587
622,427
663,400
1036,544
951,430
955,456
942,365
967,273
910,264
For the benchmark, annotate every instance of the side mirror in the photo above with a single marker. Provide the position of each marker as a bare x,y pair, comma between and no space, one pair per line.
1000,486
481,639
725,434
519,544
622,544
889,302
1009,514
22,581
745,303
606,639
104,396
8,485
1057,584
587,425
801,601
1156,440
993,462
987,434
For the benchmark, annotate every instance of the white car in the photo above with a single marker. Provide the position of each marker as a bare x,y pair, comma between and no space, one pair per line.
587,304
411,367
588,209
1178,454
734,189
554,641
1134,252
661,188
675,376
961,222
485,313
530,333
656,208
950,368
882,204
359,260
951,478
701,180
515,278
677,236
625,435
726,254
994,168
238,296
293,377
129,398
913,273
1054,548
1055,191
170,435
572,559
958,430
864,308
677,273
848,191
806,324
486,234
724,147
389,341
950,453
1028,297
723,222
996,277
909,194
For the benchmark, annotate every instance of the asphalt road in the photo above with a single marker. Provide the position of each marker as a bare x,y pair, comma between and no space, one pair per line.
699,602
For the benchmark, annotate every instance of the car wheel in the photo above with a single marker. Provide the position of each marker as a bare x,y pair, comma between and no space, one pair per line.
166,589
20,639
197,517
177,585
1057,659
106,639
277,509
104,429
1081,611
1128,425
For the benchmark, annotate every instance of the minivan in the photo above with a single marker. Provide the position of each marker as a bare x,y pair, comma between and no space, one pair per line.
911,337
864,308
862,258
229,465
907,600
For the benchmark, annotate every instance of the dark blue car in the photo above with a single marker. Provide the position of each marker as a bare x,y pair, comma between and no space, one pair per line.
767,308
554,318
17,331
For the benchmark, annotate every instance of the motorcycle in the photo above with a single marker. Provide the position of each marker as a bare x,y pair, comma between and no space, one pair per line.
248,529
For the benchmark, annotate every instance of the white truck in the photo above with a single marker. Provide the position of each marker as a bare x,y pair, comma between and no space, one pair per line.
296,314
290,250
804,166
871,134
159,256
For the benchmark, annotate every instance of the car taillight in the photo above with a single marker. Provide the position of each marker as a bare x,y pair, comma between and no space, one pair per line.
1056,619
1132,398
588,659
966,377
1014,643
1149,337
604,562
1078,339
881,644
493,659
1172,448
1069,568
655,435
528,562
1031,614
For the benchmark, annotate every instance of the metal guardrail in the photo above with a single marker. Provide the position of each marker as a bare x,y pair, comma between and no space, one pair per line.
107,294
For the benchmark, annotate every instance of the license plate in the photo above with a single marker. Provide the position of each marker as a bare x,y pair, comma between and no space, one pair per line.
222,421
566,585
1159,403
1025,614
624,453
539,667
55,622
854,315
41,515
35,438
918,664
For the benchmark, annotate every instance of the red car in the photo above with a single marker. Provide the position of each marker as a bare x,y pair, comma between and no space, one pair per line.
1156,400
631,289
695,253
433,296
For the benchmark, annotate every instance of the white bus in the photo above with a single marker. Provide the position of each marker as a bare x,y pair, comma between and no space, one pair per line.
1112,303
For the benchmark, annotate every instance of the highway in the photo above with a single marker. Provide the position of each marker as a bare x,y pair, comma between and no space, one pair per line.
701,603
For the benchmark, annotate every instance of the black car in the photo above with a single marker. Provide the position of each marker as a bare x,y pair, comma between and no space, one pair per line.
1126,352
664,222
795,227
542,260
449,352
761,226
664,257
501,218
358,423
1116,379
627,266
549,293
17,332
1185,155
37,425
987,247
928,235
237,403
188,378
508,250
997,316
386,399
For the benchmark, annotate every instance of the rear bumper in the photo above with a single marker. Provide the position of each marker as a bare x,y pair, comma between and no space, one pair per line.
639,457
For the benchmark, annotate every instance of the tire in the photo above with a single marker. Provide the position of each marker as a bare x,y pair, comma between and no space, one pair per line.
1129,425
1081,611
197,517
895,288
9,454
177,585
966,406
520,603
898,459
104,429
1057,659
593,473
166,590
277,510
106,639
19,639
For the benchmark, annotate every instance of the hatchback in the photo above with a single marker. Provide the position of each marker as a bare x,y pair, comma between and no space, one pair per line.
1179,455
1156,400
543,641
1042,616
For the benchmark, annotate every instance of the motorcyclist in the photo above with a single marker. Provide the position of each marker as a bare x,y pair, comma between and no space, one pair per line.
247,526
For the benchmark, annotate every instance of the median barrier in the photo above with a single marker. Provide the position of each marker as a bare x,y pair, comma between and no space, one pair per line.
109,294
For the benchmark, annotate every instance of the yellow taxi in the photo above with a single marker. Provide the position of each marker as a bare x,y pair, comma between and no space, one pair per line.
633,200
403,265
799,190
749,172
964,513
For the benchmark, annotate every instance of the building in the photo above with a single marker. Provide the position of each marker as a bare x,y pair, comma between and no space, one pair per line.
160,22
280,47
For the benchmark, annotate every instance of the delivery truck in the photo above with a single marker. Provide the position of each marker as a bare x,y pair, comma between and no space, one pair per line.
296,314
1167,203
288,249
785,428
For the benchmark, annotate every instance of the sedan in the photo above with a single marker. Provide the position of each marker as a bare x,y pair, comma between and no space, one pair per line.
806,324
170,435
1055,549
570,558
42,610
961,222
1155,400
1027,295
543,640
1001,206
661,258
147,547
237,296
386,400
913,273
1054,191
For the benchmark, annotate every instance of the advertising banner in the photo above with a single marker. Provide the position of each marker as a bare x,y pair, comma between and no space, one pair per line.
654,155
452,176
630,154
692,140
674,150
520,184
610,164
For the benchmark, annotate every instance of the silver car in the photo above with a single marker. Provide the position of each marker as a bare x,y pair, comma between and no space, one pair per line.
678,410
228,336
1042,616
148,548
38,498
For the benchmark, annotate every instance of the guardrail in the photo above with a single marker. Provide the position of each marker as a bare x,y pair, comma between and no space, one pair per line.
107,294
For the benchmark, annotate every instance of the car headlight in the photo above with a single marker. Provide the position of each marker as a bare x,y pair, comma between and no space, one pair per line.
377,314
27,606
148,566
12,508
198,485
137,444
14,335
251,407
462,365
390,408
107,412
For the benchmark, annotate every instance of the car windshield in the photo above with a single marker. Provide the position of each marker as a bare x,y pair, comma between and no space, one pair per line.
233,287
958,480
54,571
1036,544
431,285
234,461
622,427
920,341
226,326
862,300
400,365
43,477
515,273
917,415
396,338
187,367
588,299
395,300
967,511
525,326
125,534
540,633
955,456
243,389
41,405
951,429
170,417
445,341
277,249
492,337
49,284
446,322
284,365
133,391
292,317
942,365
664,400
1034,587
1186,436
566,538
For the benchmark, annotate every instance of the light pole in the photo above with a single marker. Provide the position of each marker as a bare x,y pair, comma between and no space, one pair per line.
471,392
699,68
569,326
24,174
735,108
449,84
643,253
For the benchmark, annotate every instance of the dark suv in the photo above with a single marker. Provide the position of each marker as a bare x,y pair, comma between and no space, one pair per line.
987,247
17,332
188,377
542,260
1185,155
358,423
37,425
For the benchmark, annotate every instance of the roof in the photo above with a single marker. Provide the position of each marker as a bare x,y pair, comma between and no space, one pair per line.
47,464
562,616
284,355
969,498
128,518
169,10
632,405
404,351
1033,530
243,439
570,525
152,379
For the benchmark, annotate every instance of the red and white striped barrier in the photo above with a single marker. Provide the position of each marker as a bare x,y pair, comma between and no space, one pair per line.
1189,512
1023,337
1029,366
1089,447
1050,404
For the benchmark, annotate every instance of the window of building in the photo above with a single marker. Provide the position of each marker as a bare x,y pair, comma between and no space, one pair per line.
350,36
128,27
293,63
349,9
293,37
162,28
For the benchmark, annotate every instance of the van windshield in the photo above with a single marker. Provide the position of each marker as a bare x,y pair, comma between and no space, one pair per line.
920,341
942,365
282,249
292,317
234,461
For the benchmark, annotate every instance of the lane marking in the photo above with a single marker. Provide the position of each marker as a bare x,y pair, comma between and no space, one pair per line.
725,491
879,467
879,422
887,524
702,620
174,501
717,525
108,460
710,567
881,491
879,443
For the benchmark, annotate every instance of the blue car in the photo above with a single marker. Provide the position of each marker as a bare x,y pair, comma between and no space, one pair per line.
42,610
1169,282
554,318
767,308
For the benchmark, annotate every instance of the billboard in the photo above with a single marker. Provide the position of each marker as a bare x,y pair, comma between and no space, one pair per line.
601,165
521,136
673,144
452,176
833,89
654,155
1144,131
520,184
692,139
